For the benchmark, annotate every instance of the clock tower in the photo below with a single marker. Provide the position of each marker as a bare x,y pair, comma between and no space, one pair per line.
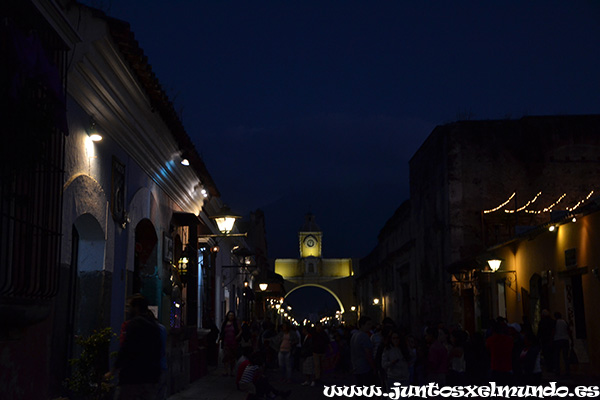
310,238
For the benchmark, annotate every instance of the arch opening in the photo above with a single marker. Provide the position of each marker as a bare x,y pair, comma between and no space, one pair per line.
311,300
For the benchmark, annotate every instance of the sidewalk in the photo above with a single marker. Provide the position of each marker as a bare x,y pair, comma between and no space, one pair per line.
212,386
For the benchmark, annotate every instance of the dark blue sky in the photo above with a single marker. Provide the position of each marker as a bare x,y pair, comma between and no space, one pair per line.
319,105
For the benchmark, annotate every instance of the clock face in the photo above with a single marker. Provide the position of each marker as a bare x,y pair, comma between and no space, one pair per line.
310,242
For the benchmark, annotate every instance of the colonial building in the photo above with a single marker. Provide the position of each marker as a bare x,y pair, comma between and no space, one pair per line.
103,195
385,278
474,184
552,266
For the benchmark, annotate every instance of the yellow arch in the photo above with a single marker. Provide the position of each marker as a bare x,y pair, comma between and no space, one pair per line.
320,287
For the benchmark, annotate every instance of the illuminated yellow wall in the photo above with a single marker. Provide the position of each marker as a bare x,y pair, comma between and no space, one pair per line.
310,244
286,267
546,252
335,267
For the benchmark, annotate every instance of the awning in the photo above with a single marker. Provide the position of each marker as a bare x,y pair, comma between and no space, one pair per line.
185,219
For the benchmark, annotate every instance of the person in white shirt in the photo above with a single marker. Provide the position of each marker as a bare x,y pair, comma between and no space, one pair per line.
395,360
562,339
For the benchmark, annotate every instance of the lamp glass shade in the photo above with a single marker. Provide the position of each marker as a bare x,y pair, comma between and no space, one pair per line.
225,224
376,301
225,220
263,286
494,264
183,262
93,133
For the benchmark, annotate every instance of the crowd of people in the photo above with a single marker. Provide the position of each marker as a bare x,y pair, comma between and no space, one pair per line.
384,353
381,354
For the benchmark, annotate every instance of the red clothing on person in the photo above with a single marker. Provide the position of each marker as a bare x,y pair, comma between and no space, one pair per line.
500,347
240,370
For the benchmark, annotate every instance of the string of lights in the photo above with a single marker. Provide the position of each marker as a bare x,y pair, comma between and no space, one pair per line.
549,208
581,201
525,206
501,205
530,202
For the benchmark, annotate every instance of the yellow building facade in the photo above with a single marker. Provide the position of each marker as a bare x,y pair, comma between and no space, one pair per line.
334,275
555,267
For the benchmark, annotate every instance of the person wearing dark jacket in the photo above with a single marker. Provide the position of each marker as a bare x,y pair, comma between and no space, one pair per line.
138,362
320,344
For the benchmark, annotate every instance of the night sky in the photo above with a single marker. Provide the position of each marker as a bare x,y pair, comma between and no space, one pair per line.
317,106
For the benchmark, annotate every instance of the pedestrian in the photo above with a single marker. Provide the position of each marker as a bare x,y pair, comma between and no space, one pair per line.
255,383
531,369
457,365
361,354
477,360
286,340
320,345
380,339
514,331
266,338
562,338
230,334
437,357
545,336
500,346
212,340
138,362
411,342
306,357
395,359
245,341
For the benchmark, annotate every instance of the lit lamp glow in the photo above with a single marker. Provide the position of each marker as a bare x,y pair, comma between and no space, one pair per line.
263,286
494,264
225,220
93,133
375,301
183,262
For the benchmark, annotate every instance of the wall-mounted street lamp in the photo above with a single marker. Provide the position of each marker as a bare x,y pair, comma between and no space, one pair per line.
93,132
494,264
183,265
225,219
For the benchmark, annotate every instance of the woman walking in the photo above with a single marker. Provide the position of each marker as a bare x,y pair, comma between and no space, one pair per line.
287,341
230,334
395,360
